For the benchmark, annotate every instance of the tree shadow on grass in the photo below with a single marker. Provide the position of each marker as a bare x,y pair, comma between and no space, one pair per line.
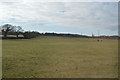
13,38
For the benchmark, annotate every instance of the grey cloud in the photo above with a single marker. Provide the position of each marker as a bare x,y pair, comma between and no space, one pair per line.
77,15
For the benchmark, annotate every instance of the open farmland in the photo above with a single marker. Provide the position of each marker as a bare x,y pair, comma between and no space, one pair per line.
60,57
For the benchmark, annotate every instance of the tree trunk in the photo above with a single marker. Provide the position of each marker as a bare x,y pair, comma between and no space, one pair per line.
5,34
17,35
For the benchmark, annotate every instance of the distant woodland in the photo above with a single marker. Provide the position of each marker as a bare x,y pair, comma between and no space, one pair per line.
18,33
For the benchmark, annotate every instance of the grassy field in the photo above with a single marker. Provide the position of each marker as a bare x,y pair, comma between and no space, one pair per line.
60,57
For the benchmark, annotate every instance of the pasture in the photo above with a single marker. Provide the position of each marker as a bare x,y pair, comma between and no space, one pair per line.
60,57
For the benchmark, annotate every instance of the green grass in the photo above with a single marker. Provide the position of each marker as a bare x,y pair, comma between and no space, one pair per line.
60,57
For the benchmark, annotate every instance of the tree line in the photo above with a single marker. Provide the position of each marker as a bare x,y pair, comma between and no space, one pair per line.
9,29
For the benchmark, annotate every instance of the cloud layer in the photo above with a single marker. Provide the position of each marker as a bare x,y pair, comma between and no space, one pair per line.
59,0
78,15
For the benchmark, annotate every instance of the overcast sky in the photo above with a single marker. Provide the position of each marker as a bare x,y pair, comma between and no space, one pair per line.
67,17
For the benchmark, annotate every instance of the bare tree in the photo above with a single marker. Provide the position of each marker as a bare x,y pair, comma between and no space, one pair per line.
6,29
18,30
